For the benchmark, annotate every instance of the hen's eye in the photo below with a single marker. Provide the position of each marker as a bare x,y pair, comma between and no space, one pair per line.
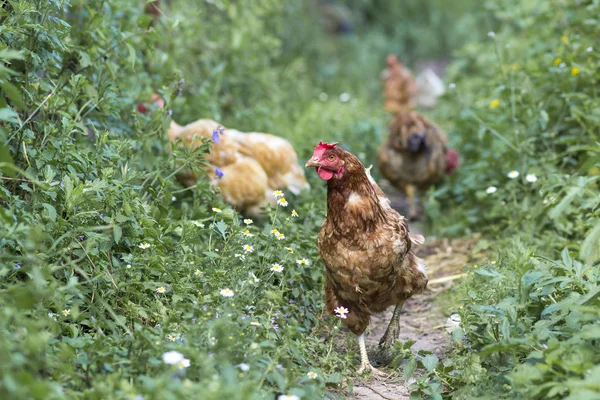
331,158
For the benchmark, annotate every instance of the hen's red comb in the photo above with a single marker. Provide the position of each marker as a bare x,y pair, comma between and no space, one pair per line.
325,146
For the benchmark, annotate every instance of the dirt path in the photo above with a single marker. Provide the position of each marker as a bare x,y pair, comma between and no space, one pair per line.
421,320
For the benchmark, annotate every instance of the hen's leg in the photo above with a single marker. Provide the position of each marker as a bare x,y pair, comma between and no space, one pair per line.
412,205
393,330
365,365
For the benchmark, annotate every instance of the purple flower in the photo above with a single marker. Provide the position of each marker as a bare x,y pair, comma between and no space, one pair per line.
219,172
291,281
17,266
215,136
291,301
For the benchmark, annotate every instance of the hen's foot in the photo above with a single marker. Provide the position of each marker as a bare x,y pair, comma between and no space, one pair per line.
367,368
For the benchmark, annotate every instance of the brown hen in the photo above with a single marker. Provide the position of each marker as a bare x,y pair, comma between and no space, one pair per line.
366,248
415,154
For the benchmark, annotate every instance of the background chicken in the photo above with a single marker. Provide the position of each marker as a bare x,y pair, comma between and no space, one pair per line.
399,85
366,248
246,167
415,154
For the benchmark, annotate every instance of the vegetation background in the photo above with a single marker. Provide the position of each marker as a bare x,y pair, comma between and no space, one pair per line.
87,309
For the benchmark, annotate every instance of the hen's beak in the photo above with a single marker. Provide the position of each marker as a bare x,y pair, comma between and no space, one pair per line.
312,163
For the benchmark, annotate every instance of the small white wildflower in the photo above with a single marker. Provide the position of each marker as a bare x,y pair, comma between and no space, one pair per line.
491,189
290,249
294,214
278,194
344,97
302,261
491,34
513,174
128,266
254,278
217,210
227,292
160,289
172,357
212,341
282,202
341,312
185,363
66,312
197,272
531,178
248,221
280,236
247,233
254,323
240,256
312,375
244,367
277,268
589,49
288,397
171,337
452,86
562,65
144,246
323,96
174,198
198,224
248,248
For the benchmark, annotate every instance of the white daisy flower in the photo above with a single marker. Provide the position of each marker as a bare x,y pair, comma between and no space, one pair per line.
197,272
294,214
244,367
254,323
282,202
290,249
66,312
302,261
280,236
491,189
217,210
198,224
160,289
531,178
513,174
248,221
341,312
288,397
312,375
171,337
248,248
128,266
144,246
277,268
278,194
240,256
172,357
185,363
247,233
227,292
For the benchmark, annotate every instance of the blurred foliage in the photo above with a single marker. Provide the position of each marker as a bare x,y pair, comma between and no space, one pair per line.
524,112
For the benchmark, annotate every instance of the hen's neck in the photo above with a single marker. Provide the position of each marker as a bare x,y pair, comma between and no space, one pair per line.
352,203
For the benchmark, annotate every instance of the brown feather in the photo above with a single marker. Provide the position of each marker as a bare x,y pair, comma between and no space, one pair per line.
366,247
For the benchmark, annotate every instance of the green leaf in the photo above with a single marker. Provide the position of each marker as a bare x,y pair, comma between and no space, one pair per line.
429,362
14,95
590,248
143,21
117,233
222,228
132,55
409,369
50,211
